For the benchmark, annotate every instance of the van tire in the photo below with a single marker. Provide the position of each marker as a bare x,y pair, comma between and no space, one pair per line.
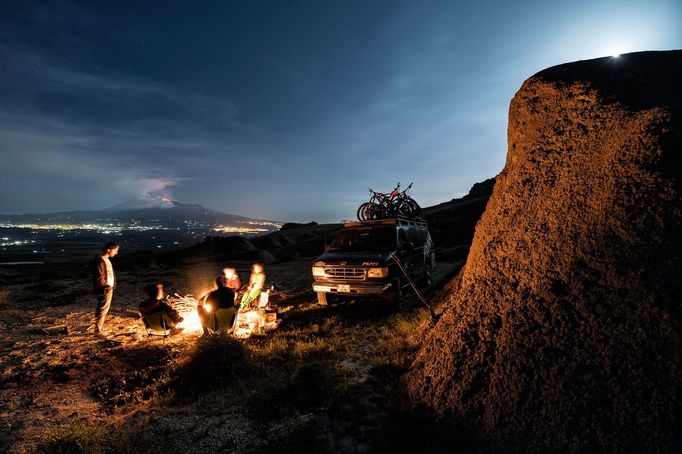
322,299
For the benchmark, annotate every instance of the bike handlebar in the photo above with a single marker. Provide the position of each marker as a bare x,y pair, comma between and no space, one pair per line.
372,191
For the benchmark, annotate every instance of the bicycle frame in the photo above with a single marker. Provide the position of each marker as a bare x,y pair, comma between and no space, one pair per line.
382,205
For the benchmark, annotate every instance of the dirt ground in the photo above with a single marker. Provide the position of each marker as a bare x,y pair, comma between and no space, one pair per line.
62,386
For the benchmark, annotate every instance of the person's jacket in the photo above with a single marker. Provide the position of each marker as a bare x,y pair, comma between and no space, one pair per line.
99,275
150,306
222,298
153,306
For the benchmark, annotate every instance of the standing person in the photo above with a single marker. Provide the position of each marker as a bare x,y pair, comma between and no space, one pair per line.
221,298
256,284
104,283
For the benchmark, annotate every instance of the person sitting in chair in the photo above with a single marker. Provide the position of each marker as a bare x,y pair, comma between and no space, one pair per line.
220,299
233,281
256,284
156,302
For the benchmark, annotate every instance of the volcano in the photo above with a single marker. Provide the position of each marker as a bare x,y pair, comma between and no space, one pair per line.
145,210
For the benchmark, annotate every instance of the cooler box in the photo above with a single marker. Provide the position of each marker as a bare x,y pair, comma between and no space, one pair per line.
248,323
255,321
263,299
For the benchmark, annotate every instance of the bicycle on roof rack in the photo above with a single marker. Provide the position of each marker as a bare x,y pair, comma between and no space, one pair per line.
393,204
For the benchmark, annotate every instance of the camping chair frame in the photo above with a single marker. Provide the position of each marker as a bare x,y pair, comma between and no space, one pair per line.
216,328
162,323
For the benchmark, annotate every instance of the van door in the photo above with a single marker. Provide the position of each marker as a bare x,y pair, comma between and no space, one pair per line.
416,237
409,253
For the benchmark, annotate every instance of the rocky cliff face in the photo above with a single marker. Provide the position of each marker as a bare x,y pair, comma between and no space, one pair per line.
564,331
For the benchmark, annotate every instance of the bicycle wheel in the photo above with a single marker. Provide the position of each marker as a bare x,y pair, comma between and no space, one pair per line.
381,212
414,209
401,208
364,211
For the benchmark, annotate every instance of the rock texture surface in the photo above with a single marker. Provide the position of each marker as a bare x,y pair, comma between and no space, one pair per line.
564,332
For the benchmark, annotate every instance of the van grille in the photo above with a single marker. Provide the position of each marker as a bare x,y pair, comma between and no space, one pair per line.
357,274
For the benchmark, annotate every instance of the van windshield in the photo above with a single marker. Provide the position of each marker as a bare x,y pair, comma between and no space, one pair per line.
364,240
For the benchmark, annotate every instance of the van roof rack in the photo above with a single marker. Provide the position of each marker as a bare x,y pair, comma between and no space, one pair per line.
398,220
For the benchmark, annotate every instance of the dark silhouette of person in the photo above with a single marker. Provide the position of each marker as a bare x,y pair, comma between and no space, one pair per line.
103,283
220,298
156,302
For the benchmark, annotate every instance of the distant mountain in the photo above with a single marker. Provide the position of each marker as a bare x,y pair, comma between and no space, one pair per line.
157,208
143,202
143,211
452,223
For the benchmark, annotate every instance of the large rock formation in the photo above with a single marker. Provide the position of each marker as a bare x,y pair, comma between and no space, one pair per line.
564,332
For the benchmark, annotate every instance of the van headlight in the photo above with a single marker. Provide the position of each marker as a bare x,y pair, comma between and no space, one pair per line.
318,271
377,272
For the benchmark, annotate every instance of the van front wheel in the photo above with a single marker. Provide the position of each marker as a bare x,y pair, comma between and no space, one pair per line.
324,298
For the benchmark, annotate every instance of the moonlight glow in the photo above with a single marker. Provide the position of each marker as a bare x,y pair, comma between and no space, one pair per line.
617,52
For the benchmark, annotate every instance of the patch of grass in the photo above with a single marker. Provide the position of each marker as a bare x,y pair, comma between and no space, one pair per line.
310,384
308,346
396,342
314,383
277,346
74,438
300,434
216,362
95,438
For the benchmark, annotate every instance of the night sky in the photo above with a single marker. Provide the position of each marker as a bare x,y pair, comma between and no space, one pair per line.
285,110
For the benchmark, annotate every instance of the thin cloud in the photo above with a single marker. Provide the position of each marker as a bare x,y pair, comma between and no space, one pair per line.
146,187
122,97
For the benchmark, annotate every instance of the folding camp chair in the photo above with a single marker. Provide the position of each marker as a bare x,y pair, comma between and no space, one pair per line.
223,319
158,324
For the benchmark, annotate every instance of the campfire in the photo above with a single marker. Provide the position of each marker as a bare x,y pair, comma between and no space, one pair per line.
187,307
259,318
